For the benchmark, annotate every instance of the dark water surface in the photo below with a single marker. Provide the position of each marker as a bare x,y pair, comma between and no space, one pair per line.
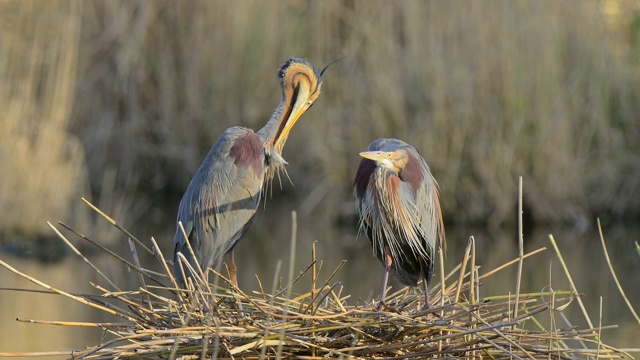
361,277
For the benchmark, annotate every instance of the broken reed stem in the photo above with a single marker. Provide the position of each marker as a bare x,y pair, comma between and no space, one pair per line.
77,252
35,354
114,223
443,284
503,336
265,333
314,275
326,283
442,294
101,247
314,278
573,286
184,262
63,293
472,278
613,273
292,257
472,297
463,268
520,247
164,263
502,267
77,323
552,322
599,326
282,291
136,261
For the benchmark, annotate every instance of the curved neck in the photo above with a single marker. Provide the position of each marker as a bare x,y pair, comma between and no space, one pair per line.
269,132
300,85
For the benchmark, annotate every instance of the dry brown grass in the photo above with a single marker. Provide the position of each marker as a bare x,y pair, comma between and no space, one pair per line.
159,320
486,91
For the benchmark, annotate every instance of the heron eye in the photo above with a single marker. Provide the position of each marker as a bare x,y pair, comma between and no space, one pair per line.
310,102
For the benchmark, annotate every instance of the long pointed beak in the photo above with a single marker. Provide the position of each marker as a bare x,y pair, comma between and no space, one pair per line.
377,156
302,103
380,157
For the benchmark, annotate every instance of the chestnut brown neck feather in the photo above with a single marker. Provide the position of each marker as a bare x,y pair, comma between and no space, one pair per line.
288,107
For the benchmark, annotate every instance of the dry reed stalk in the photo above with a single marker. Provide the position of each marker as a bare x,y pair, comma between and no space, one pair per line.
613,273
520,246
220,323
572,284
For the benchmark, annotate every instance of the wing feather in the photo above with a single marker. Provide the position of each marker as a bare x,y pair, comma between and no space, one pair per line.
222,198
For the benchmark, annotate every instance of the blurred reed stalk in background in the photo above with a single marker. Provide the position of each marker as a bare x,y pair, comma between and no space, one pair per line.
42,163
138,91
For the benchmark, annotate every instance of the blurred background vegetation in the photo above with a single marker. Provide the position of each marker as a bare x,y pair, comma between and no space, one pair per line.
119,101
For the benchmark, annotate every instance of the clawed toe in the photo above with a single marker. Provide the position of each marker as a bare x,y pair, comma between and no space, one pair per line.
426,310
382,306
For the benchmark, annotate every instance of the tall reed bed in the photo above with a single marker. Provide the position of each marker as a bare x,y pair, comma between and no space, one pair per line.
485,91
42,164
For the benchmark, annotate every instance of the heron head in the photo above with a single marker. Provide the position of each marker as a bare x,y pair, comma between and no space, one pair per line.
392,160
301,83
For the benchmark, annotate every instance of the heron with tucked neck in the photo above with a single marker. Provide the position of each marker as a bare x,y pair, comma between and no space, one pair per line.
399,209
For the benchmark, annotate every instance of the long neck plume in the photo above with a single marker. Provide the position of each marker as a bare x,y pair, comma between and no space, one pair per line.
394,217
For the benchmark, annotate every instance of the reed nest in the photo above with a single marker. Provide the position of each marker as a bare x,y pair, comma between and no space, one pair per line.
212,319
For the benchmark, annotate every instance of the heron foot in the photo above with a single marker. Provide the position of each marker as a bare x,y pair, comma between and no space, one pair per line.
426,310
382,306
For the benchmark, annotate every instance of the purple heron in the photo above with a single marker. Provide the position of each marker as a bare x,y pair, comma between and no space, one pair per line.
221,201
397,203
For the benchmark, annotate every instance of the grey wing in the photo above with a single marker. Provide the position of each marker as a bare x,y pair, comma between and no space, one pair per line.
430,215
221,200
428,201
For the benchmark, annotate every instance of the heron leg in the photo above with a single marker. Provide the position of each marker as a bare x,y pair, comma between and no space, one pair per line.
388,261
232,270
427,303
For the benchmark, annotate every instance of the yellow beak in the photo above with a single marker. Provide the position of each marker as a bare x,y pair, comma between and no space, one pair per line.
381,157
301,87
302,103
374,155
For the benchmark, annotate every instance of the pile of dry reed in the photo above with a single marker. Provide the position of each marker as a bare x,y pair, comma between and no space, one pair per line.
158,320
